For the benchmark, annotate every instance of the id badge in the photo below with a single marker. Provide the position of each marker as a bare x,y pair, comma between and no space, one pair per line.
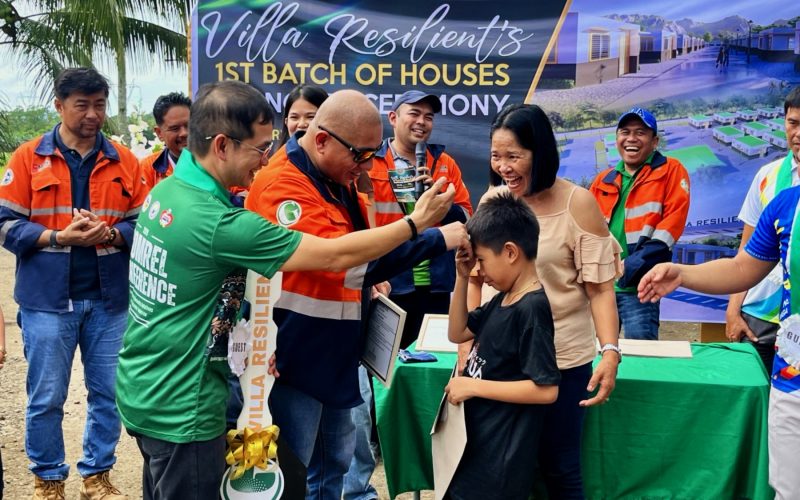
788,342
239,347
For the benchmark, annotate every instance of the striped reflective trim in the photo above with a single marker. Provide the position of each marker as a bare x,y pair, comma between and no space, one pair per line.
354,277
388,207
318,308
5,228
665,236
110,213
107,251
59,209
55,250
643,209
132,212
16,208
632,237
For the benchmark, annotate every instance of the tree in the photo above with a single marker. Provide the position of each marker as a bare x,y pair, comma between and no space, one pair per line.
63,33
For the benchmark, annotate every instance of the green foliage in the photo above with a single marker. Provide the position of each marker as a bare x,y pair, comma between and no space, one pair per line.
555,84
26,123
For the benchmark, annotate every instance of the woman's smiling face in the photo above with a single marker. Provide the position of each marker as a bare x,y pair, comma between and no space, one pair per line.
511,161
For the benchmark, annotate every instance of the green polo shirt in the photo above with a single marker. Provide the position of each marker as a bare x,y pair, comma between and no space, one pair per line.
188,239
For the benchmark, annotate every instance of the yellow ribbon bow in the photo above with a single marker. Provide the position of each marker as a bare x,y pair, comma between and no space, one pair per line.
249,448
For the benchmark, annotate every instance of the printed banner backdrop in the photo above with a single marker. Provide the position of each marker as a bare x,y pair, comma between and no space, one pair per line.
721,116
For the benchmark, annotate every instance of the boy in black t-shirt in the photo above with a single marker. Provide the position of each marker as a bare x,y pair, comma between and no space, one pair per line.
511,372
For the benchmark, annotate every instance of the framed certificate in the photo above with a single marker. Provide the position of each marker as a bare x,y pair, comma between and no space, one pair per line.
433,334
384,331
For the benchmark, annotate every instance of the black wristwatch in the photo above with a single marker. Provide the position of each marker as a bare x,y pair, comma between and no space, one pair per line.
53,240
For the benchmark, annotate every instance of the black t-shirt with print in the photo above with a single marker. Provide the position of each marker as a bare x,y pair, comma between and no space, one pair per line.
511,343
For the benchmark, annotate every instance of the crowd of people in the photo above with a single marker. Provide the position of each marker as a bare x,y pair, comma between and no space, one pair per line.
146,262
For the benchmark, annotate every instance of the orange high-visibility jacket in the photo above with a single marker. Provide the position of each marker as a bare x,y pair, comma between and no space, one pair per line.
36,195
155,168
319,312
388,210
655,212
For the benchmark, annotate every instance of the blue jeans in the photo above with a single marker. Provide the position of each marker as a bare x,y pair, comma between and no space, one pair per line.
356,481
49,342
323,438
638,321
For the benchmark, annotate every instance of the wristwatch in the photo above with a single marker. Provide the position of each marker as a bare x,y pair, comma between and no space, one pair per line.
611,347
53,240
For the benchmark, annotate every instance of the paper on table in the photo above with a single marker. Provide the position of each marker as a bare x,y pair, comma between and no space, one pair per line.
655,348
448,440
433,334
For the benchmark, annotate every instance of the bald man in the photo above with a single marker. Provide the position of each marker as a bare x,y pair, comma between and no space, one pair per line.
308,186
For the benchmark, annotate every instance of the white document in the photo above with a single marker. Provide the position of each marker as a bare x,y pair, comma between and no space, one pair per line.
433,334
448,441
384,331
655,348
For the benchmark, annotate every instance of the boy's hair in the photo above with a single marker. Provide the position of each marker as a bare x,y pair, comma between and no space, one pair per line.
505,218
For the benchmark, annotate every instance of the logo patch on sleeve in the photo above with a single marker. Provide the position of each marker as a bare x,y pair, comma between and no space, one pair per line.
288,213
8,178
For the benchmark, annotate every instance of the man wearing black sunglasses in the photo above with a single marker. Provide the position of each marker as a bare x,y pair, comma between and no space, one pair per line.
309,186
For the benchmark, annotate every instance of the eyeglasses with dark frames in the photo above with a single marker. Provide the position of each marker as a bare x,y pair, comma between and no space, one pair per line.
264,152
360,155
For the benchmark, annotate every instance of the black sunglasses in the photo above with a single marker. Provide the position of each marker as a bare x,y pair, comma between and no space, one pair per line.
359,155
264,152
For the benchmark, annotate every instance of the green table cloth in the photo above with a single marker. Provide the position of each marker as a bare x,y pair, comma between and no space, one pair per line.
674,428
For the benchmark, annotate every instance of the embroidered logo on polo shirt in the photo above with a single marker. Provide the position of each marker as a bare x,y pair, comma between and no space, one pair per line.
166,218
288,213
154,208
8,178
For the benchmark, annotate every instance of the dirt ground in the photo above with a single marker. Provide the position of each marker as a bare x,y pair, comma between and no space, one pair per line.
127,471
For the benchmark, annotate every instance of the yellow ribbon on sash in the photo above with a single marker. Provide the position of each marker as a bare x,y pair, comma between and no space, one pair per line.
249,448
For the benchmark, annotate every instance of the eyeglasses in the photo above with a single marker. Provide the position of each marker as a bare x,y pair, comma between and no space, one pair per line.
264,152
359,155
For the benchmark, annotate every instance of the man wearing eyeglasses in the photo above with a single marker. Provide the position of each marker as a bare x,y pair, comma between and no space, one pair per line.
171,380
309,186
645,200
171,112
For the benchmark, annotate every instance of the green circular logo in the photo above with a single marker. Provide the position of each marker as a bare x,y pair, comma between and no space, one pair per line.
254,483
289,212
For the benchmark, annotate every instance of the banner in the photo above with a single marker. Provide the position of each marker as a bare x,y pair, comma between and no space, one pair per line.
715,75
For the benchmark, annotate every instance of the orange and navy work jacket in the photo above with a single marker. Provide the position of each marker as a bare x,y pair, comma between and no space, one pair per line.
155,168
36,195
319,313
387,210
655,212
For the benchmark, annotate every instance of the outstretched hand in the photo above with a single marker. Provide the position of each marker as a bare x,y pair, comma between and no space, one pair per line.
659,282
432,206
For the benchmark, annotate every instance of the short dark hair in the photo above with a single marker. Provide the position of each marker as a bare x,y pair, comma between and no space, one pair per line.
165,102
504,218
792,100
229,107
311,93
81,80
532,128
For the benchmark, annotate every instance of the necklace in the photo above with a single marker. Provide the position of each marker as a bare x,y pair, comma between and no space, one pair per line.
516,294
